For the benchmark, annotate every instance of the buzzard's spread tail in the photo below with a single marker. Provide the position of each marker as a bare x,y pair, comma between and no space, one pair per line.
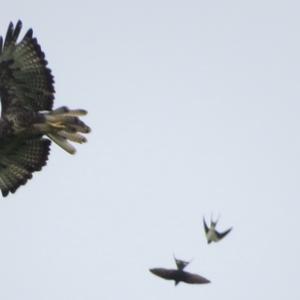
18,163
63,125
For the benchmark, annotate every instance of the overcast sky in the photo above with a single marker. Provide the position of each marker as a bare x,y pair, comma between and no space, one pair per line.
194,108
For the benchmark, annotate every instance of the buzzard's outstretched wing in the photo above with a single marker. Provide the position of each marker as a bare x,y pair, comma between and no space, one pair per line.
26,85
25,80
27,93
19,159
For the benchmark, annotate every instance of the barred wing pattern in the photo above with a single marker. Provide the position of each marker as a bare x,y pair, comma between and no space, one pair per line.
27,95
25,80
18,161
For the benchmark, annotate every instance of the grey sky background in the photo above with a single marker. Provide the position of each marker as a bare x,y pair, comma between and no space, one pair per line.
194,107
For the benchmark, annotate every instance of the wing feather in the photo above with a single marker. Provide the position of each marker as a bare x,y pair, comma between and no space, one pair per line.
1,44
9,34
18,160
25,79
16,32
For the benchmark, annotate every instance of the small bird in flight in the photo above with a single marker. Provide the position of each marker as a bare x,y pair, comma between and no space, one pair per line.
28,121
179,274
212,235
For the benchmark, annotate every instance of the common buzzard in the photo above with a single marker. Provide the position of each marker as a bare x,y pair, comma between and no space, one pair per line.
28,121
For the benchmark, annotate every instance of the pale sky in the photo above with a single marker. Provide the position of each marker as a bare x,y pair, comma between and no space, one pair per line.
194,108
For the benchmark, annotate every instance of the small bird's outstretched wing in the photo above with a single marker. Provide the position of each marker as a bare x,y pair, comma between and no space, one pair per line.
194,278
25,80
221,235
206,229
19,159
169,274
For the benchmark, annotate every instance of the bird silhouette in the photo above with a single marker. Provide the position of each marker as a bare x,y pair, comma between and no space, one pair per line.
179,275
212,235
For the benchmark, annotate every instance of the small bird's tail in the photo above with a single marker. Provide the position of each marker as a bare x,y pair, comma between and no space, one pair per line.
63,125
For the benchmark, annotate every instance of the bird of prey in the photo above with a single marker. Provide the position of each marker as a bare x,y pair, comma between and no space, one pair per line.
212,235
179,274
28,121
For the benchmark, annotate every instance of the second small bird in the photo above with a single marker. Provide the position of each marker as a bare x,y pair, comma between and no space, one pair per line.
212,235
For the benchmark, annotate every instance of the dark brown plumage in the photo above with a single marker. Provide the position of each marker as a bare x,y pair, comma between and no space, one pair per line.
27,95
179,275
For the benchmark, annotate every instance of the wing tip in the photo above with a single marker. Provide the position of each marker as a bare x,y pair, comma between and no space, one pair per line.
28,34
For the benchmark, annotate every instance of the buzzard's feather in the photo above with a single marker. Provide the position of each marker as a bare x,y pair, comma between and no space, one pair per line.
27,93
25,79
19,159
